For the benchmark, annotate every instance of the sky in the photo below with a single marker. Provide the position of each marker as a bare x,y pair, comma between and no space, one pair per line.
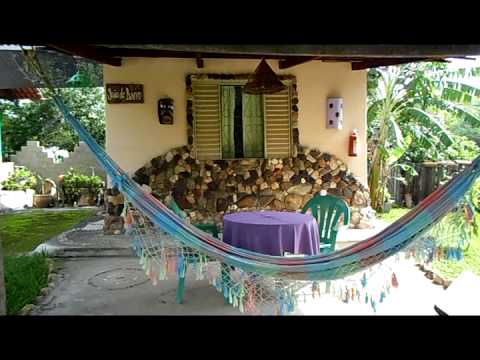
460,63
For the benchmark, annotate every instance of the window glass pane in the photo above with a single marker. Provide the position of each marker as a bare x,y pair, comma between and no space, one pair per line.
253,126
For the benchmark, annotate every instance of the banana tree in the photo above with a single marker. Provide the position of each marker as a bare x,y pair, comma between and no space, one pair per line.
406,108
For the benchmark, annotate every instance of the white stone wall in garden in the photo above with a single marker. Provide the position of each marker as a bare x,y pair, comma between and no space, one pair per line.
16,200
35,158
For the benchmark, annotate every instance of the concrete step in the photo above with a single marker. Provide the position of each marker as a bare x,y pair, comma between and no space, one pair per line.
73,251
92,252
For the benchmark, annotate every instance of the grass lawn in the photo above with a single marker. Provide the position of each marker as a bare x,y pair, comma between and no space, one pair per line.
24,231
25,276
449,269
393,214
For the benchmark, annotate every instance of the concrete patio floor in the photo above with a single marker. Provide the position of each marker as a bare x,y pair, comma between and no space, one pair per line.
118,286
101,276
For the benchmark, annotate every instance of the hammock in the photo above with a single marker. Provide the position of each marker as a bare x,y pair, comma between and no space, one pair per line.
317,267
166,243
332,266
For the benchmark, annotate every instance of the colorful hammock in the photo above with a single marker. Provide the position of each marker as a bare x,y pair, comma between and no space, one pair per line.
166,243
318,267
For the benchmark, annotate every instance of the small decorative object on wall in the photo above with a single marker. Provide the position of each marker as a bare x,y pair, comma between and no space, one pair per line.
124,93
353,143
165,111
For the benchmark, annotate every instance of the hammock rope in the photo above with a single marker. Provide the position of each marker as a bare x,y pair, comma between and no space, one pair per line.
166,244
390,240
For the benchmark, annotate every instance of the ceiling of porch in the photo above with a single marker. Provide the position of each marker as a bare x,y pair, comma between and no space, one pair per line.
289,55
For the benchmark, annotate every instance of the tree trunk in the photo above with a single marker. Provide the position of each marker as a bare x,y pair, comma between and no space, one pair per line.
3,297
377,179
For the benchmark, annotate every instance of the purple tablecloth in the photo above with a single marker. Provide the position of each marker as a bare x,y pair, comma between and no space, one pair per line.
272,232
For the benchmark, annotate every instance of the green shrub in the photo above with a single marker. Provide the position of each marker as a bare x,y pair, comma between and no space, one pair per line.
74,183
25,276
21,179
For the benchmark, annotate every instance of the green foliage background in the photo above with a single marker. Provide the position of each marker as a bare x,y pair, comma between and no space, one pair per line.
42,121
416,113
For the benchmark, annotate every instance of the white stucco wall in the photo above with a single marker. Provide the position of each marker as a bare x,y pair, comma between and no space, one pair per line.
134,135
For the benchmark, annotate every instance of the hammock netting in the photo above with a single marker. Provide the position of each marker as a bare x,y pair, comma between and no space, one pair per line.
263,284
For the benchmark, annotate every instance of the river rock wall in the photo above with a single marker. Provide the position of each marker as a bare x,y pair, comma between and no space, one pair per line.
206,190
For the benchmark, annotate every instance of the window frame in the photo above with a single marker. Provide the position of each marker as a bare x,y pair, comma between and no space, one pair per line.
241,80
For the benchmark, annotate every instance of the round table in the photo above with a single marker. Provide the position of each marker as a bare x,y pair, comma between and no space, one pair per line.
272,232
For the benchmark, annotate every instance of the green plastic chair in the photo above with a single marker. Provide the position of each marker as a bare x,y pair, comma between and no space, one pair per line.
327,209
210,228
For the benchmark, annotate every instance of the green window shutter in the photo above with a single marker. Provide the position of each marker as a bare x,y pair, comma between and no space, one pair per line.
228,112
278,135
207,122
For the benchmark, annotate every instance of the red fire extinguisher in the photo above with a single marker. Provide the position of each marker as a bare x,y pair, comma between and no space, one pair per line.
353,144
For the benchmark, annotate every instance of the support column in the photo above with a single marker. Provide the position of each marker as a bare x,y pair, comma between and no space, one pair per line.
114,222
3,296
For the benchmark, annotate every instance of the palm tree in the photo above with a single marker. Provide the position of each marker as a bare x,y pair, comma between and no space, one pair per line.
406,109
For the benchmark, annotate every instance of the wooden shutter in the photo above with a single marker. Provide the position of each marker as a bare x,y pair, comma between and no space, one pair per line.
277,124
207,123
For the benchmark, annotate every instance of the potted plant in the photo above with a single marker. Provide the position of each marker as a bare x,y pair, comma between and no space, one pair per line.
81,189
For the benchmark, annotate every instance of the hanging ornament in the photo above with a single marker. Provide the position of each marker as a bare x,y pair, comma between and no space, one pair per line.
263,81
440,253
431,254
364,280
315,289
382,296
469,213
394,281
347,295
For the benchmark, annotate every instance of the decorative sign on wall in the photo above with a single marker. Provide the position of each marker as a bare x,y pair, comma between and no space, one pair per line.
124,93
165,111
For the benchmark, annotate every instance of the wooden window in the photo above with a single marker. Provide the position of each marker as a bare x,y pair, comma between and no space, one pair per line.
231,124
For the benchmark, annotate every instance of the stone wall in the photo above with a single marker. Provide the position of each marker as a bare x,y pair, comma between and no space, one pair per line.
35,158
16,199
207,190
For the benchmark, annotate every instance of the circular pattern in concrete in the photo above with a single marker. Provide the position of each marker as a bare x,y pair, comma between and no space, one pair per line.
117,279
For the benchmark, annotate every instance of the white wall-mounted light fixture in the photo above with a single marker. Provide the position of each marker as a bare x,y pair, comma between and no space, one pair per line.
335,113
